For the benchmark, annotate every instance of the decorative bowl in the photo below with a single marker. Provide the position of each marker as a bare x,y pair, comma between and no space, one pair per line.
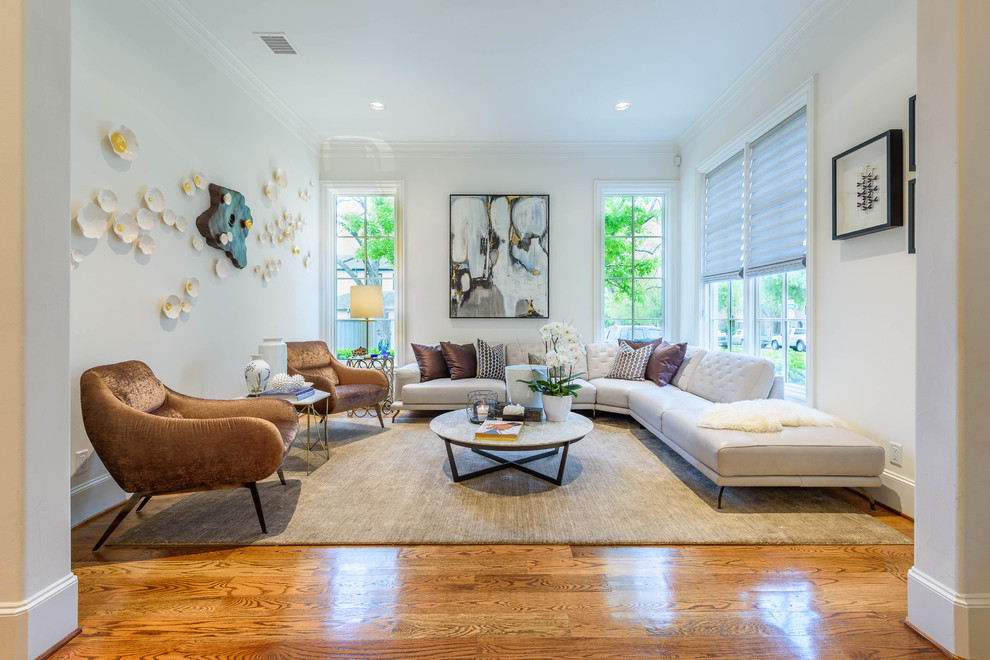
107,200
123,142
125,227
145,219
154,199
171,307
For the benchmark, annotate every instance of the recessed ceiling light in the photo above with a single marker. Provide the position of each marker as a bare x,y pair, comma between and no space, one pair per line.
622,106
375,105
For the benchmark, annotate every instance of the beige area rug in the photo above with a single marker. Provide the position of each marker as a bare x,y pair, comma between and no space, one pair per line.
392,486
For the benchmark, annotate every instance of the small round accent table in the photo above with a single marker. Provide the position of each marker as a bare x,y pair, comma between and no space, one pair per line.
557,437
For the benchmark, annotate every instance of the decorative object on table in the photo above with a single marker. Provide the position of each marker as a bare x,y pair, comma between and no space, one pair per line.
867,186
274,351
191,287
188,187
360,351
123,142
154,199
517,379
533,415
168,217
226,223
171,307
499,256
498,429
367,304
350,388
145,219
92,221
911,121
125,227
107,200
222,267
565,348
290,394
910,228
481,405
383,346
256,374
283,381
146,244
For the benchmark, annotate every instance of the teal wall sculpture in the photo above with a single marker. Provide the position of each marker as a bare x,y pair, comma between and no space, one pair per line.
225,225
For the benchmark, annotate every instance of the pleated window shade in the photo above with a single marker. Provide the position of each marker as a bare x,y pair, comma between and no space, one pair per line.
724,221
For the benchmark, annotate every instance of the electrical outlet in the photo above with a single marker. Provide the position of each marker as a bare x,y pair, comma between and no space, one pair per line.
896,453
81,457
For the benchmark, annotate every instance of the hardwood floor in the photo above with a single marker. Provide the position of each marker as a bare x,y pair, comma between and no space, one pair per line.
493,601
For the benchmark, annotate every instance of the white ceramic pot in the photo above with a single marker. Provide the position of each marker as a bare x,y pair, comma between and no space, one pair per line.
273,351
556,408
256,374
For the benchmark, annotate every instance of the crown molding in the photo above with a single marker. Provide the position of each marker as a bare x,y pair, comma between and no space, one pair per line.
786,44
202,39
359,147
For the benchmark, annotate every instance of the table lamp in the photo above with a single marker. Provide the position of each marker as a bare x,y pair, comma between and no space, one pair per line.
367,304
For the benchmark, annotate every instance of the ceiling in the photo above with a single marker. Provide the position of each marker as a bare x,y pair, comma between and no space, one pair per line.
506,70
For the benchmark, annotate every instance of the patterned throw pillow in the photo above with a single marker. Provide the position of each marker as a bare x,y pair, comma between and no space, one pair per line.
491,361
630,364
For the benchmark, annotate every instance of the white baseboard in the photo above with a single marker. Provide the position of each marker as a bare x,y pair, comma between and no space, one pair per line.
94,496
959,623
897,492
33,626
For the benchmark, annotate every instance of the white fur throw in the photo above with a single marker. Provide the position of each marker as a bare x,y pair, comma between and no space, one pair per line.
764,416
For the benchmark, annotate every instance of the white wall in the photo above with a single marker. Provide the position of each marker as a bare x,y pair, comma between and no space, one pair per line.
431,173
188,116
862,289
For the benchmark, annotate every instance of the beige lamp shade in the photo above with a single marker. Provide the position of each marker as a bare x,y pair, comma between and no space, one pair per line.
366,302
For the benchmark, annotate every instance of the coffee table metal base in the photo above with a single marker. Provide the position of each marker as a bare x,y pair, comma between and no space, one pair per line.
504,463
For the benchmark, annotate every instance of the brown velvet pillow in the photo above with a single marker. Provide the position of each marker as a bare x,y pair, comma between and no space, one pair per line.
640,344
431,362
664,362
461,359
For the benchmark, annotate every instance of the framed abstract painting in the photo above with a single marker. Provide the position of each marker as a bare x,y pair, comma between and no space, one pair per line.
499,256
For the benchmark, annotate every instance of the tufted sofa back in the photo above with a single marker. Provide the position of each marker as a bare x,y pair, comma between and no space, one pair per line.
725,377
518,353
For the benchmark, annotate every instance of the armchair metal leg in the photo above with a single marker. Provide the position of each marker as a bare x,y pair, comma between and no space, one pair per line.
143,502
253,487
281,477
378,409
128,505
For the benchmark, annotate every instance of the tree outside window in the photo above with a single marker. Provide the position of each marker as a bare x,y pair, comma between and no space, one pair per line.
632,266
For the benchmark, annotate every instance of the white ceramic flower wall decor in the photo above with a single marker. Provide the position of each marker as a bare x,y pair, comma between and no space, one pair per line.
123,142
145,219
92,221
146,244
199,180
168,217
281,178
171,307
125,227
197,243
271,192
186,306
76,257
181,224
107,200
222,267
188,187
154,199
191,287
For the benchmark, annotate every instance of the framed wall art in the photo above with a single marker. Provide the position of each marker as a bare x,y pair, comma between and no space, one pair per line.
499,256
910,229
911,120
868,186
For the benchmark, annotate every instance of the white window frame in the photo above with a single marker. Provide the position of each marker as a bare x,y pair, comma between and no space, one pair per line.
668,189
330,190
803,96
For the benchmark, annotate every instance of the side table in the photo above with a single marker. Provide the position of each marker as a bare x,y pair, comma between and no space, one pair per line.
386,365
306,407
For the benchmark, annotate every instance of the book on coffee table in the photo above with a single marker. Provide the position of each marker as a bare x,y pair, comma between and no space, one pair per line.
497,429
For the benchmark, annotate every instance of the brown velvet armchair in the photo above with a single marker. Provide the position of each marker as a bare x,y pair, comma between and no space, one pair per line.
154,441
349,387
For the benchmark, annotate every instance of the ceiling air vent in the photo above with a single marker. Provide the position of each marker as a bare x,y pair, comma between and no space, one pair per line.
278,44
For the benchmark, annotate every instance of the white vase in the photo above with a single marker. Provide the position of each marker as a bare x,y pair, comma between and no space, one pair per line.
273,351
556,408
256,374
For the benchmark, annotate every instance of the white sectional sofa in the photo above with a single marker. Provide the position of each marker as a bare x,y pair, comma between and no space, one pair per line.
796,456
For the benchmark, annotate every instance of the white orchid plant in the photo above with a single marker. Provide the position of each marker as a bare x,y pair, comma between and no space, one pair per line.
565,348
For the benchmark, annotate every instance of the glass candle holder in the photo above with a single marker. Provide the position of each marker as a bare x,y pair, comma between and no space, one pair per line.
481,404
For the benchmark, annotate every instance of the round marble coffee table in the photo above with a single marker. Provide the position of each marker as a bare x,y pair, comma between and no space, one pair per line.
455,429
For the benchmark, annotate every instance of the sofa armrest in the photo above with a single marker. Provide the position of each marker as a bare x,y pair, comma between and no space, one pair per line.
777,388
405,375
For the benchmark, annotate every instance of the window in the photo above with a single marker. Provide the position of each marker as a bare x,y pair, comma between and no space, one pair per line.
754,250
365,248
632,220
